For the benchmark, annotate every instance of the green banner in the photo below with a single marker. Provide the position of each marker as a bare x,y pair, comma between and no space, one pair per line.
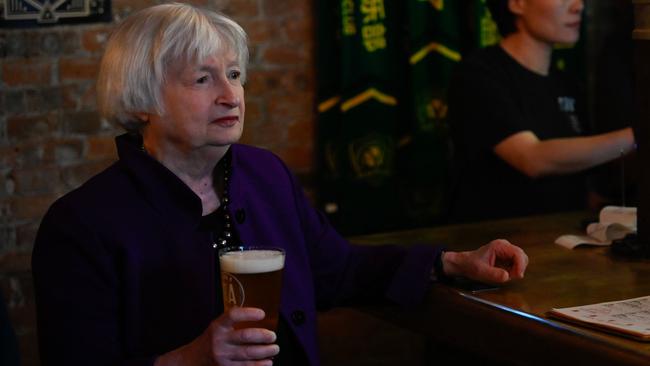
357,121
434,36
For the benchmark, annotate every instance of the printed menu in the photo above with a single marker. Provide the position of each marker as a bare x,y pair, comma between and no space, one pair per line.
629,318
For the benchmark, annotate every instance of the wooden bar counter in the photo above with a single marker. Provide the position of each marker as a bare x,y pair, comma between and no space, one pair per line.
508,325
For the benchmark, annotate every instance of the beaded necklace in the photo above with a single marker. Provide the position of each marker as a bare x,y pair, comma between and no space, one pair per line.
225,239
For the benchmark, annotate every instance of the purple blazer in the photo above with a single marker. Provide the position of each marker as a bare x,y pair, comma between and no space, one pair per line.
122,274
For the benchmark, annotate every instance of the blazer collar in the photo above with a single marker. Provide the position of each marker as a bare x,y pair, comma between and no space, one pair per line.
158,185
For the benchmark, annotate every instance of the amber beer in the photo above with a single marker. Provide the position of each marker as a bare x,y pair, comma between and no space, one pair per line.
252,277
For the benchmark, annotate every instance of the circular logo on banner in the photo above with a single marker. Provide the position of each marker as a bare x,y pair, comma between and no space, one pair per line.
371,156
233,291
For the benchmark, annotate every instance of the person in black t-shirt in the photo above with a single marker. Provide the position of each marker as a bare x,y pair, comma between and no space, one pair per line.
519,142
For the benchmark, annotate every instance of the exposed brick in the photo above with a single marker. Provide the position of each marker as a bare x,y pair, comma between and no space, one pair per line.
41,179
299,158
63,151
14,101
20,294
79,96
255,109
93,40
43,99
5,211
3,46
298,29
33,44
14,263
290,108
7,185
70,42
280,8
15,44
284,55
26,72
7,238
7,157
78,68
220,5
261,82
25,236
242,8
278,82
88,96
22,314
20,299
101,147
19,128
84,122
29,207
302,82
75,175
70,96
254,118
51,43
30,153
260,30
254,52
268,134
3,130
246,137
302,130
122,8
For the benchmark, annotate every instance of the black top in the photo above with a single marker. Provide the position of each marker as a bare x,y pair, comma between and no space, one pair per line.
491,98
291,353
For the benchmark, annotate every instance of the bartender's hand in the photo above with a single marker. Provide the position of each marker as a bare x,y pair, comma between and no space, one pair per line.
222,345
496,262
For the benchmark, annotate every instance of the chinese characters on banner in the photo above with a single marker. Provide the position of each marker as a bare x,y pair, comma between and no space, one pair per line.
373,30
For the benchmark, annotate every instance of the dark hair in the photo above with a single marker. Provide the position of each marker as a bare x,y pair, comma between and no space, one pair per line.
502,16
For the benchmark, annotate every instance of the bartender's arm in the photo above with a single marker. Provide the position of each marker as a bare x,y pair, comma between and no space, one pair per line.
535,158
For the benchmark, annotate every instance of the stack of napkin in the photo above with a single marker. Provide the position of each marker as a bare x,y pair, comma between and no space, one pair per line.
614,223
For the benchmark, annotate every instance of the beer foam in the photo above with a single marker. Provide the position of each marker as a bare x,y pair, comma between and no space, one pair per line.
251,261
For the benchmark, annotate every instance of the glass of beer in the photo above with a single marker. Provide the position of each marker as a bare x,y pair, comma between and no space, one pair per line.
252,277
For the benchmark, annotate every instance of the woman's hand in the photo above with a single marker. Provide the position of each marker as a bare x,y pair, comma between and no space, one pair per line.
496,262
222,345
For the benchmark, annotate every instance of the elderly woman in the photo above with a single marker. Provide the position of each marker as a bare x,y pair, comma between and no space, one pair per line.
125,267
516,124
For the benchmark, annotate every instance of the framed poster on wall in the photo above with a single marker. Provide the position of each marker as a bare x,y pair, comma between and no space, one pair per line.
34,13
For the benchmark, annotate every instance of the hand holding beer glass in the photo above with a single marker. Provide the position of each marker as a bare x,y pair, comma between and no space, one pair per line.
252,277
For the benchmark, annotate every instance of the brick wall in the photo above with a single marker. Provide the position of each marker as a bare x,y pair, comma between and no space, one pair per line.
52,140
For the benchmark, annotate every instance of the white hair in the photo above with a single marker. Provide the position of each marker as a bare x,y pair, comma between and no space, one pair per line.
142,48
